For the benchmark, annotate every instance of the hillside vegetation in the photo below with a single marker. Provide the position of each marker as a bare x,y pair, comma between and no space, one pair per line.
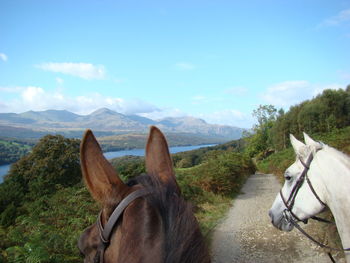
326,113
44,206
325,118
11,151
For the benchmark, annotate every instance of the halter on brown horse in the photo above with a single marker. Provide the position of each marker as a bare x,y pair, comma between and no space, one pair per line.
155,223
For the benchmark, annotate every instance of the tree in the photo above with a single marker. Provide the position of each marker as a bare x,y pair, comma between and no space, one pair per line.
260,141
52,164
265,114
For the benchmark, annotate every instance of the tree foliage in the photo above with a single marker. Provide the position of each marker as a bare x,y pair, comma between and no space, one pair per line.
327,112
260,141
11,151
52,164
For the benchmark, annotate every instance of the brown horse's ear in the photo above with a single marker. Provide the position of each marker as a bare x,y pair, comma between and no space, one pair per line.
158,160
99,175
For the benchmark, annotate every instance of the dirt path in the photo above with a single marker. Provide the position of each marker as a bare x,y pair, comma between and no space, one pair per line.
246,235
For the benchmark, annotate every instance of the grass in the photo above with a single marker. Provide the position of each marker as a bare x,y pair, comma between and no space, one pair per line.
210,213
212,185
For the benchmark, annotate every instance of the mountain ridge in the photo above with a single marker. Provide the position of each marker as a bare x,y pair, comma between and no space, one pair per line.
107,120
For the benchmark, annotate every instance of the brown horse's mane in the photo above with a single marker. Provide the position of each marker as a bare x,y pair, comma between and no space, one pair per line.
183,239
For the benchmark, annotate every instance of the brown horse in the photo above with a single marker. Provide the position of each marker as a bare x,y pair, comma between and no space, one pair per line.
156,226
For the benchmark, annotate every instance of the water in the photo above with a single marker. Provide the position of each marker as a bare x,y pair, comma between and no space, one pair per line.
109,155
3,170
141,152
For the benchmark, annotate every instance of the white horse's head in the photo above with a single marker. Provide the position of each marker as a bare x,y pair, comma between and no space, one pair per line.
299,203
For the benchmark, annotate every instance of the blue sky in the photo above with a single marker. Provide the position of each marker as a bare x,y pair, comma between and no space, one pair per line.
217,60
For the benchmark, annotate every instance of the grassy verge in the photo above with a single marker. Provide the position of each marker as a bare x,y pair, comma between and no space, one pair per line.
211,212
212,185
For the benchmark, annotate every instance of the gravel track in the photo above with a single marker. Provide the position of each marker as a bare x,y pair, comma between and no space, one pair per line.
246,235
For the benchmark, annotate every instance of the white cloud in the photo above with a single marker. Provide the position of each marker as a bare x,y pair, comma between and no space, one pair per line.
3,57
32,94
342,17
81,70
229,117
39,99
36,98
288,93
185,66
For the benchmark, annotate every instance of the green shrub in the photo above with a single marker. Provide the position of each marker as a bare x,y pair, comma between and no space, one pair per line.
221,174
129,166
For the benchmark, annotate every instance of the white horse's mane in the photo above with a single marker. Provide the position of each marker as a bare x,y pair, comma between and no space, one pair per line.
340,156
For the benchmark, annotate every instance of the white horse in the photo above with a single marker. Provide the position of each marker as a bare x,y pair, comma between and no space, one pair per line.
328,172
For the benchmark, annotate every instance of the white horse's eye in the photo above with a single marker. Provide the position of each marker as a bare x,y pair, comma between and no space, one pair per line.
288,177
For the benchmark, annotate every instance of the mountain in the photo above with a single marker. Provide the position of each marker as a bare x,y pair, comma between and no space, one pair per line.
108,122
195,125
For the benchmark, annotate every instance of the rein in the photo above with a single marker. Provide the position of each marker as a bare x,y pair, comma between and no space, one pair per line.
291,200
105,232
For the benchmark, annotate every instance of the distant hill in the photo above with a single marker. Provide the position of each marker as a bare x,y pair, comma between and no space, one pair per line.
105,122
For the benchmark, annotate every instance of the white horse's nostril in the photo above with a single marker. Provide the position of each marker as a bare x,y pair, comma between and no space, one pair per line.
271,215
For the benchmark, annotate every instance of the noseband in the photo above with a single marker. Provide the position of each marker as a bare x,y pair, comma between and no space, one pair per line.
105,232
289,203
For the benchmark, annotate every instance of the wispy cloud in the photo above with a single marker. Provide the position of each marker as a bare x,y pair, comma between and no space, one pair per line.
342,17
345,74
185,66
288,93
3,57
59,81
37,98
81,70
11,89
199,99
163,113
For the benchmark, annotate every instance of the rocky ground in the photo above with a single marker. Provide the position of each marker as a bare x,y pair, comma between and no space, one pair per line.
246,235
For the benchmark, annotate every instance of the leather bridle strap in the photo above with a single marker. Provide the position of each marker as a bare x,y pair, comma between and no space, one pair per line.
106,231
289,204
297,226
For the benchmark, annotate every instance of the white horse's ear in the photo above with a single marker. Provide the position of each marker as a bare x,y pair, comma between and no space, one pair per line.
298,146
310,142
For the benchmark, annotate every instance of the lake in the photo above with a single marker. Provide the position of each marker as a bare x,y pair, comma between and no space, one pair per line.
3,170
109,155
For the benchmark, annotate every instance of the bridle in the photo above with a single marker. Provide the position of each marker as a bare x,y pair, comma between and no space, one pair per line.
289,204
106,231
